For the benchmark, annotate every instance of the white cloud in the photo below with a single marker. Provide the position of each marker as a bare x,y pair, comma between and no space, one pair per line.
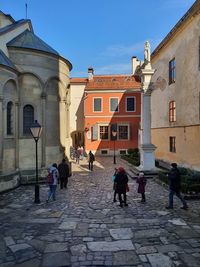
120,68
123,50
131,50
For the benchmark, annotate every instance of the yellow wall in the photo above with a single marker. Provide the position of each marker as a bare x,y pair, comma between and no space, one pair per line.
184,47
187,145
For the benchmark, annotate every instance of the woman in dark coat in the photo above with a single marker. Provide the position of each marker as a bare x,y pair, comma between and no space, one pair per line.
121,183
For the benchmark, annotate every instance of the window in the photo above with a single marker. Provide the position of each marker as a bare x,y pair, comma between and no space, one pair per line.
28,118
97,104
103,132
104,152
172,111
123,132
122,152
114,104
172,144
172,71
9,118
130,104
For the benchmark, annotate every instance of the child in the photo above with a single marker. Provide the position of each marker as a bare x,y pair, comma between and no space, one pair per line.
141,180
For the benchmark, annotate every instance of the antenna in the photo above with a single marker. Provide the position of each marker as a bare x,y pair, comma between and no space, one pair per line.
26,5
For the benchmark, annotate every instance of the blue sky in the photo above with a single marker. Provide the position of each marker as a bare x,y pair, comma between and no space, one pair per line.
103,34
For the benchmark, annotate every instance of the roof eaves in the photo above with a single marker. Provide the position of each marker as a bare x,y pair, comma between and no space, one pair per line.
194,10
15,25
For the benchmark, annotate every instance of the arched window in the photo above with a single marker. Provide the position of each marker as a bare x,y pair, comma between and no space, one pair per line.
172,111
10,118
28,118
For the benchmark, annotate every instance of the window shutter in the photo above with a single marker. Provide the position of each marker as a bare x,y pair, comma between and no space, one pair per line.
130,131
113,128
95,132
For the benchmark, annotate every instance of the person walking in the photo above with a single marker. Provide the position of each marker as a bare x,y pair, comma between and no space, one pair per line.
91,159
63,170
77,155
174,179
53,174
141,180
121,183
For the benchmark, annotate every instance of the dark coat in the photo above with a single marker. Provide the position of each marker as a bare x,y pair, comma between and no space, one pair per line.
63,170
91,157
174,178
141,184
121,181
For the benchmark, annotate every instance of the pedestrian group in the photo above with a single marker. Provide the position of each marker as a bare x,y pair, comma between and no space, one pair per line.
60,174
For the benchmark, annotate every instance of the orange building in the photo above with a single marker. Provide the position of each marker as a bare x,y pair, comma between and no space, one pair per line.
112,104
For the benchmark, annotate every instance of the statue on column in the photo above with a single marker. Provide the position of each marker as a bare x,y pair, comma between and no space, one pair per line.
147,53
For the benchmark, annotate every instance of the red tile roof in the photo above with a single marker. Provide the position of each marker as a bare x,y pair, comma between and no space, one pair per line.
114,82
78,80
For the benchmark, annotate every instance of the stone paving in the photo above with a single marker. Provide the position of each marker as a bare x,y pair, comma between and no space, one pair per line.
83,227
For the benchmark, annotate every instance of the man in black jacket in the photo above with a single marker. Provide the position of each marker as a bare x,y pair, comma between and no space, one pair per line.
63,170
174,178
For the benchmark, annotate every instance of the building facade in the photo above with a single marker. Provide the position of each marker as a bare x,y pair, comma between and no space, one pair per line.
34,81
112,110
175,99
76,118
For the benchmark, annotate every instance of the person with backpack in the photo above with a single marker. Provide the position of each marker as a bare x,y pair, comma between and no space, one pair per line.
114,185
63,170
174,179
91,159
52,180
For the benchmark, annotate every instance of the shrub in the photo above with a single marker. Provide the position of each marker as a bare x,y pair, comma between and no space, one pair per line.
163,177
184,187
133,151
194,188
133,161
185,179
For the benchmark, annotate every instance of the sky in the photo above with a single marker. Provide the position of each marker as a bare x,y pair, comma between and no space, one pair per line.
103,34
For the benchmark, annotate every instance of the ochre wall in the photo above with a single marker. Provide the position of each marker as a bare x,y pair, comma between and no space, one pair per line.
184,47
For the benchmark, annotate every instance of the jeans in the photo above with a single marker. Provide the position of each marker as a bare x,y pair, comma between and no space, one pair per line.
52,192
171,198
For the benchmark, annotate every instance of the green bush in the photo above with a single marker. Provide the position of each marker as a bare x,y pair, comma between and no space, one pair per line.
163,177
185,178
133,151
184,188
133,161
194,188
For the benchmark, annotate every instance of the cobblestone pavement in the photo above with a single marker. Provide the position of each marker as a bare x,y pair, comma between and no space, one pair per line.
83,227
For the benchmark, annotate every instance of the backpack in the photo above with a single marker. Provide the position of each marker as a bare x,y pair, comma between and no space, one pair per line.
92,158
50,179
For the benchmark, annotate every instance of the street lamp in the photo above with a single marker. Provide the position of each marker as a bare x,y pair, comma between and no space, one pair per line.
36,130
114,134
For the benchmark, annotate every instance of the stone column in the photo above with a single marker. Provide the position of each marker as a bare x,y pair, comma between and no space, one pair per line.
16,132
1,133
147,161
43,136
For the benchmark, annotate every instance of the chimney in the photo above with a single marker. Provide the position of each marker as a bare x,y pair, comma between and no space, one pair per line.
135,64
90,73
